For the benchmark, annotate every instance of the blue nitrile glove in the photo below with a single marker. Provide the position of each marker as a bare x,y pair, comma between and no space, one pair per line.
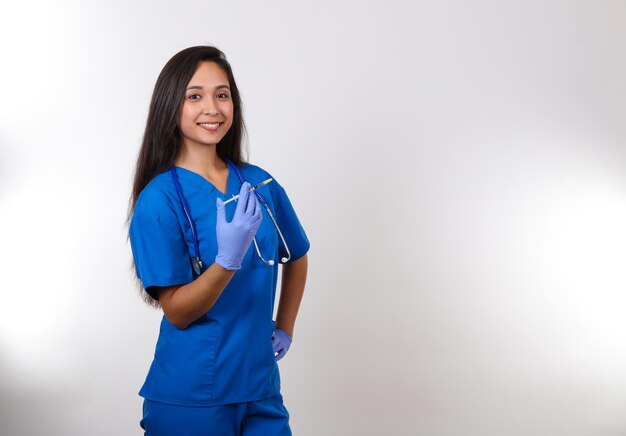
281,342
234,238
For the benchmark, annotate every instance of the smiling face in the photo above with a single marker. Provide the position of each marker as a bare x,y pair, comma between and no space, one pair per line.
207,111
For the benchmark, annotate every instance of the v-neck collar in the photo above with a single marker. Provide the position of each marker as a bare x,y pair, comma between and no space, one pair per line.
204,183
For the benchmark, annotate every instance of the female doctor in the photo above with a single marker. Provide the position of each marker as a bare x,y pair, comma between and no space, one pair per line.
212,267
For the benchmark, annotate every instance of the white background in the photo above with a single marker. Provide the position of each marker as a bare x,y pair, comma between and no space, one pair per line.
460,168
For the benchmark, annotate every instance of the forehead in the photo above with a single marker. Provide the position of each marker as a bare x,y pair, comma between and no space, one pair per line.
208,74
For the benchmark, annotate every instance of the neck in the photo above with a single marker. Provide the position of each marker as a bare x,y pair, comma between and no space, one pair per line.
199,158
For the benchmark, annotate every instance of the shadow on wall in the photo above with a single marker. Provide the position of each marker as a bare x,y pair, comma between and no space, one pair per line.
29,403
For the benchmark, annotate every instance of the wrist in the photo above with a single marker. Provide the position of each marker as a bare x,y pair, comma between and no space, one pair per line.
227,264
288,332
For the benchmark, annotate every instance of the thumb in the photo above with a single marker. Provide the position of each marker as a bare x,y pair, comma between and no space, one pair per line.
221,216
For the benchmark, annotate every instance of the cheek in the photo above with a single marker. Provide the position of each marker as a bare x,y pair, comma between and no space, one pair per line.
187,117
230,110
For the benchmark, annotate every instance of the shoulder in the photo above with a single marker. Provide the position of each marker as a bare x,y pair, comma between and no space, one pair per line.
255,174
156,199
251,171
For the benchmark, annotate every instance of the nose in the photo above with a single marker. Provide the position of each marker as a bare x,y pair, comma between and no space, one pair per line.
210,108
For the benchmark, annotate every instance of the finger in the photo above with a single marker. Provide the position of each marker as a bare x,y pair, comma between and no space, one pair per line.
243,199
253,204
221,216
258,208
255,220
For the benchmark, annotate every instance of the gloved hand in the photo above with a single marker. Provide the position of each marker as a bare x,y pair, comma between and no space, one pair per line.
234,237
281,342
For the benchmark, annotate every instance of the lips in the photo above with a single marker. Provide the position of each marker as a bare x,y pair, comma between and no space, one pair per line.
211,127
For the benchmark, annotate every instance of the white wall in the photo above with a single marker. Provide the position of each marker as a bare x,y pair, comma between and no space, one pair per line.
460,168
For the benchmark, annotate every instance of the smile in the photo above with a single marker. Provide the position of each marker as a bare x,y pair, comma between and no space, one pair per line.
211,127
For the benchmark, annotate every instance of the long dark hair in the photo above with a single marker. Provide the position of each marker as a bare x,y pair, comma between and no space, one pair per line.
161,139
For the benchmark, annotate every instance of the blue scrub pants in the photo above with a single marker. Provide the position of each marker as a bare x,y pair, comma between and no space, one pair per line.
257,418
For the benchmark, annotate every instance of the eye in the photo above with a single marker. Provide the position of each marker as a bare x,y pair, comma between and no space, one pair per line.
222,95
193,96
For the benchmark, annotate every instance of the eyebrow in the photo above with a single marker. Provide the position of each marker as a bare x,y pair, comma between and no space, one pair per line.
200,87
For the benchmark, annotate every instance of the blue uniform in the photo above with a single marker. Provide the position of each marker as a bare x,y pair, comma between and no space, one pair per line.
226,356
258,418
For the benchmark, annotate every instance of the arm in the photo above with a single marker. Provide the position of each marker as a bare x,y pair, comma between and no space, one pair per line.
292,289
182,305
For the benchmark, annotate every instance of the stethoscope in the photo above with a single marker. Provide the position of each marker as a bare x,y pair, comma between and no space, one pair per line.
196,262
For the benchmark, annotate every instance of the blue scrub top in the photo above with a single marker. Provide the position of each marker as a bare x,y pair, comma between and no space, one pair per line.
226,356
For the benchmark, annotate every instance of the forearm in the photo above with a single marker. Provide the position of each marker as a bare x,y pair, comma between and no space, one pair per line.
292,289
182,305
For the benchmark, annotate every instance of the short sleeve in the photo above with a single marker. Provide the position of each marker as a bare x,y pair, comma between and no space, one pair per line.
290,226
159,249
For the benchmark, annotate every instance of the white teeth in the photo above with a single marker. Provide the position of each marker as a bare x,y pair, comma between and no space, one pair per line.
210,125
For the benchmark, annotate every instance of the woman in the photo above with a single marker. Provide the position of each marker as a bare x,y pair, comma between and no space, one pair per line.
214,371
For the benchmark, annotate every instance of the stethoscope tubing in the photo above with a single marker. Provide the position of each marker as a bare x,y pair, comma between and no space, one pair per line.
271,215
191,224
196,261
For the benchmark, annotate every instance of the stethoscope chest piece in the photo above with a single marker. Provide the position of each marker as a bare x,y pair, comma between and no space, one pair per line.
196,264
